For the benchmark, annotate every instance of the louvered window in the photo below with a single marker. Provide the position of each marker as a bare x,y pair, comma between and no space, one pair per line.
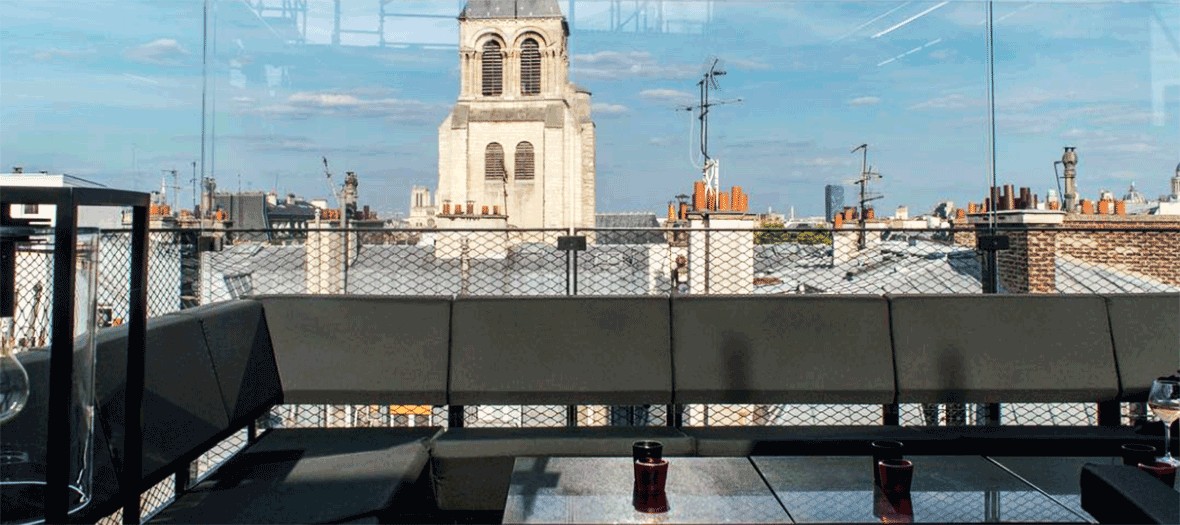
493,69
524,161
493,162
530,68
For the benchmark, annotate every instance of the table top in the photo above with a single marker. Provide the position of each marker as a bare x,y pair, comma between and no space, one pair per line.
1057,476
598,490
963,489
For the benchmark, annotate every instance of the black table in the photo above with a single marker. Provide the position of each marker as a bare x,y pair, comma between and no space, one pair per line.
598,490
1056,476
960,489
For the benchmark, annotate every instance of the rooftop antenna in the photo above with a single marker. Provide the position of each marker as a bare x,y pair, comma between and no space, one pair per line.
710,172
866,175
194,183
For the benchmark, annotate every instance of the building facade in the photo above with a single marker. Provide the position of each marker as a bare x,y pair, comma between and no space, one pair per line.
833,200
518,147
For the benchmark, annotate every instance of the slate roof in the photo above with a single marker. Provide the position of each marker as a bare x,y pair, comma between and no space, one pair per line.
479,9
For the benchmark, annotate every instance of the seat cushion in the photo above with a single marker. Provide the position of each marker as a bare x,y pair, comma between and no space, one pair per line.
810,440
1123,494
998,349
309,475
384,349
778,349
1015,440
471,467
560,351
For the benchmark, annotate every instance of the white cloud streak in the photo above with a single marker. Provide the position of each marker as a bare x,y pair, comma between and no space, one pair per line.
603,108
160,52
668,95
909,20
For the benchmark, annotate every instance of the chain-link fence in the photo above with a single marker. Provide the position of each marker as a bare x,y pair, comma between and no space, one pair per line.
188,267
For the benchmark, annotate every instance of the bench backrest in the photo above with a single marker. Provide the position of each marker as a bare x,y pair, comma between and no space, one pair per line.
561,350
1146,333
782,349
239,344
183,409
360,350
993,348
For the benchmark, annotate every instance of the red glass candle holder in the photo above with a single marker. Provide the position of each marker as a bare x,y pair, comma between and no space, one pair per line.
648,494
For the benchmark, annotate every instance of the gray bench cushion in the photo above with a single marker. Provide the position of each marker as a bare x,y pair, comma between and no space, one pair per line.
1123,494
783,349
471,467
360,350
601,350
1018,348
183,412
840,440
1146,331
1033,440
309,475
243,359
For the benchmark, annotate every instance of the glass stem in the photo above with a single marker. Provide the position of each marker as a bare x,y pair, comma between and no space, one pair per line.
1167,441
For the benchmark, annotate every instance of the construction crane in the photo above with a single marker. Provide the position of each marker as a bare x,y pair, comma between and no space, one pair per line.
331,187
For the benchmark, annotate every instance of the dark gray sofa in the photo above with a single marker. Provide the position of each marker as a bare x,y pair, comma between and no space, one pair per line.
549,351
210,372
786,350
1015,349
215,369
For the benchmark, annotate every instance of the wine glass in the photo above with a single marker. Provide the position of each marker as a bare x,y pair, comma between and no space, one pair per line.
1164,401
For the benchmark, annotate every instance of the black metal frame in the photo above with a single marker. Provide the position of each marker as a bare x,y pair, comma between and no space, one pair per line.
61,359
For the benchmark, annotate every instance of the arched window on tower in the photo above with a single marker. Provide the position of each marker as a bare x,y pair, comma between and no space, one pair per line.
493,162
524,161
493,69
530,68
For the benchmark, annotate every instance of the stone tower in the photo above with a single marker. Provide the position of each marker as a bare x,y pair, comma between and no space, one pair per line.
519,140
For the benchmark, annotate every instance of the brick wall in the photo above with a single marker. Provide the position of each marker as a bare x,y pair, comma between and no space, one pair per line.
1147,246
1114,242
1029,265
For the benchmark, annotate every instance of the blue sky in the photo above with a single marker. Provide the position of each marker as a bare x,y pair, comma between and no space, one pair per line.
111,90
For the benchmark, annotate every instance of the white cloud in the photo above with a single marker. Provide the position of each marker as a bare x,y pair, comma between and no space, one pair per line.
603,108
307,104
1129,147
613,65
748,64
864,101
668,95
53,53
162,51
952,101
822,162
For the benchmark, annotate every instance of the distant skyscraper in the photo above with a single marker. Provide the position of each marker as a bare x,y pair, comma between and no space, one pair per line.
833,200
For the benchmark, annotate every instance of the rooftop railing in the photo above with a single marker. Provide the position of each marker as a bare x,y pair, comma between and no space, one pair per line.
190,268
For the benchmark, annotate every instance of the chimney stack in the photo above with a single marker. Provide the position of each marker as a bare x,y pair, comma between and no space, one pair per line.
1070,160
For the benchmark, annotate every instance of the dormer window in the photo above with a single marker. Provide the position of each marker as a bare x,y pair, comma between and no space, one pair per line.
530,67
493,69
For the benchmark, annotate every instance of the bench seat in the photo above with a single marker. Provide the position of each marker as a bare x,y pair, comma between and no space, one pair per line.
811,440
1030,440
471,467
1123,494
312,475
